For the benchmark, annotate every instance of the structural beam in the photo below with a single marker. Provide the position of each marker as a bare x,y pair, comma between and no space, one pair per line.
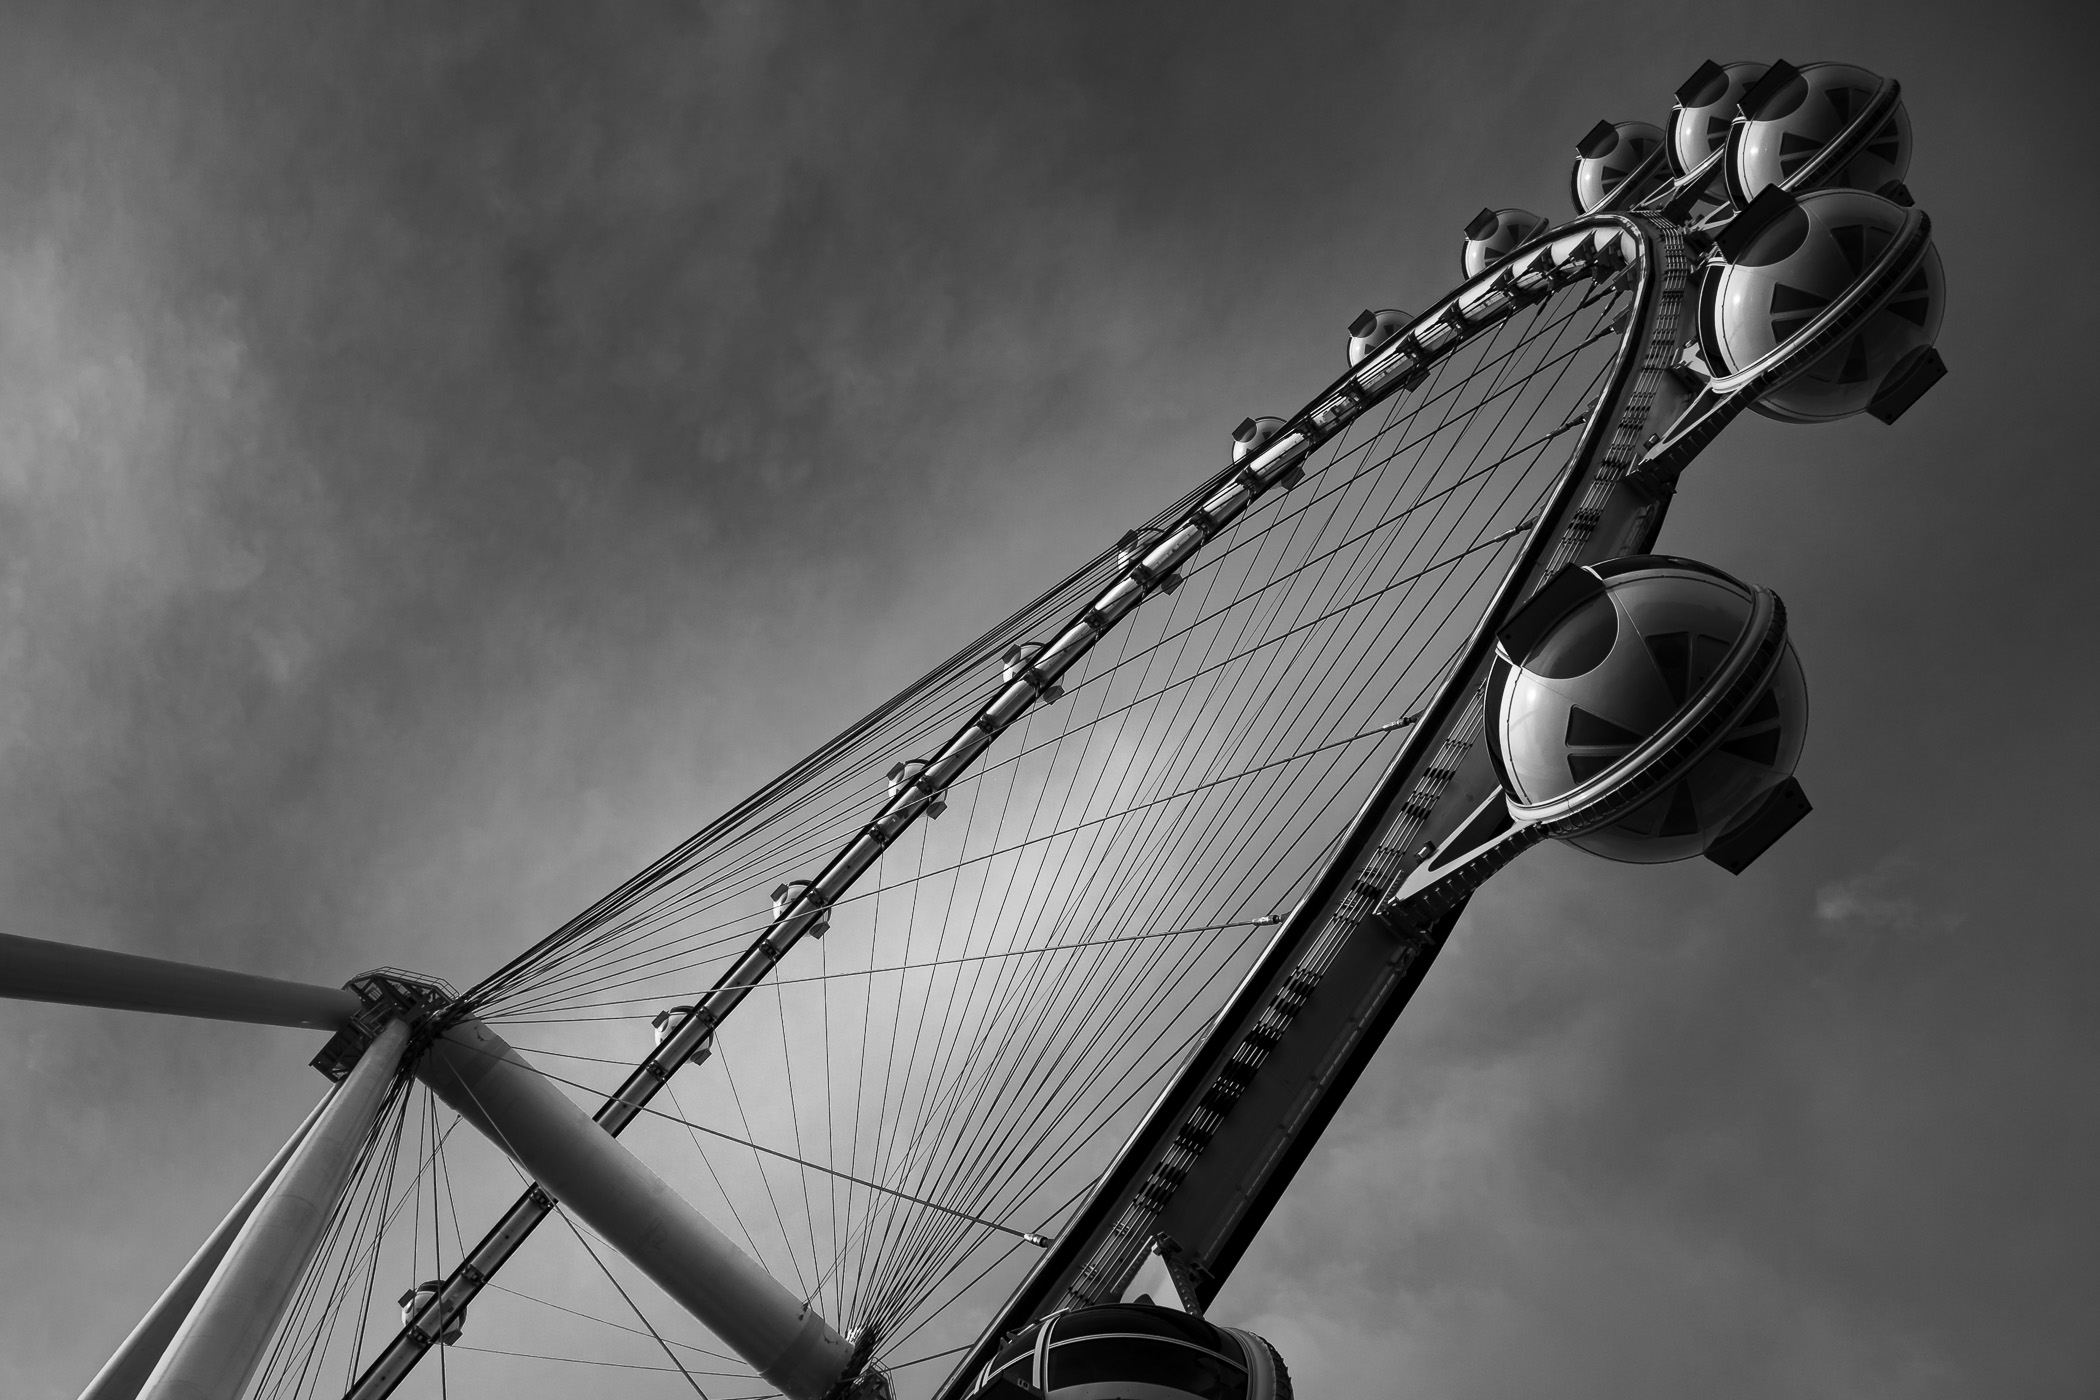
219,1344
125,1372
33,969
581,1165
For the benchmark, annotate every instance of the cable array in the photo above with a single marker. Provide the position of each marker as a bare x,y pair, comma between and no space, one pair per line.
894,1121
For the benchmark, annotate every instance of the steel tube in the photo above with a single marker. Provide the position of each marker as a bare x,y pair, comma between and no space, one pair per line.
134,1360
581,1165
34,969
219,1343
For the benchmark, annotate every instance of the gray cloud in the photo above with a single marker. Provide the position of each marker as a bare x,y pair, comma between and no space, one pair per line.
443,459
1875,899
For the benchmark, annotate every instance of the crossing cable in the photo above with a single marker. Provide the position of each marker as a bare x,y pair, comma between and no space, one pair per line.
1263,464
1527,448
848,974
1487,543
639,1315
622,1327
727,821
1519,451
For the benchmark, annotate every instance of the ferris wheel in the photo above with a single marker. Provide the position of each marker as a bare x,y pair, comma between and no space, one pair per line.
966,1058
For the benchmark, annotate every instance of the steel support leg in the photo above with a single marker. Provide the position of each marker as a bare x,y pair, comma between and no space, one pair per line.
123,1374
221,1341
575,1160
33,969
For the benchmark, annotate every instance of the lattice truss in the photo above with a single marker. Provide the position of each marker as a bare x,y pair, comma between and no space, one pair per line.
947,1071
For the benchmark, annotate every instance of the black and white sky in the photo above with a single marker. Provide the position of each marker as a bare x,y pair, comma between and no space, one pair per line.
447,454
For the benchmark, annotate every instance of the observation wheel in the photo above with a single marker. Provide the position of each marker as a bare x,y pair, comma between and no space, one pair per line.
967,1057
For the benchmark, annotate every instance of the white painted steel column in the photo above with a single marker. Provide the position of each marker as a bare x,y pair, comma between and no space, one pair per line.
585,1168
123,1374
222,1340
35,969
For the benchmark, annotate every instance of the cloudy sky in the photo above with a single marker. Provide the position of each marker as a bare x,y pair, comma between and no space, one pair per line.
444,462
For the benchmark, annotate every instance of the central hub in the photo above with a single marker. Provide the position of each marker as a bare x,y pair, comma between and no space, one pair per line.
388,994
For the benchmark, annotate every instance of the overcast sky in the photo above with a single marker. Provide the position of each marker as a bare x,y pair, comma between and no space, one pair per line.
443,463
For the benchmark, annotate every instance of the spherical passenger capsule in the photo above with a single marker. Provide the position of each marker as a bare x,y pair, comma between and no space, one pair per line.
906,777
1136,544
1613,670
812,918
1496,233
1792,114
1251,438
1793,267
1705,107
662,1023
414,1301
1019,661
1134,1349
1372,331
1607,158
1252,435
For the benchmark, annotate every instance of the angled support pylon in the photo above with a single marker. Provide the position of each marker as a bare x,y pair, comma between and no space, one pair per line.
575,1160
216,1350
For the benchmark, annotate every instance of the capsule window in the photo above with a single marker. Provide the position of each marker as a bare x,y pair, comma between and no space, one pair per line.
1146,1361
1792,309
1761,749
1705,87
1777,241
1914,302
1682,819
1771,101
1578,643
1686,661
1887,143
1595,731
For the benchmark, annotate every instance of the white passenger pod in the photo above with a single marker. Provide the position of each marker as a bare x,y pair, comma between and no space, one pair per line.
667,1021
1131,552
1781,263
1252,437
1610,155
1705,106
799,910
1372,331
1820,126
1018,663
910,777
1496,233
1610,659
1135,1350
413,1301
